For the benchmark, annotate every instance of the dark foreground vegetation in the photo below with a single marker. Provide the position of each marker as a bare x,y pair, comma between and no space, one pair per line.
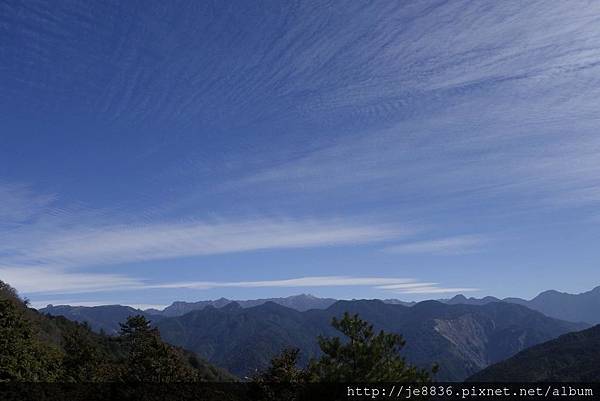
39,348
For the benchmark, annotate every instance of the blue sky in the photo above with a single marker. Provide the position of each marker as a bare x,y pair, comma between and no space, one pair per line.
158,151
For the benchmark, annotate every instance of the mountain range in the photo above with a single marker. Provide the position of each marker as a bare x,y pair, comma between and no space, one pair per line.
301,302
106,318
489,341
584,307
462,335
461,339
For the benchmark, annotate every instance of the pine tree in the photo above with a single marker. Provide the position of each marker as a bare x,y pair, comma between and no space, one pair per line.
364,356
283,369
149,359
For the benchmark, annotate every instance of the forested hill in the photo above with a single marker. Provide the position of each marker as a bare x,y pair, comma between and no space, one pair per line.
572,357
45,348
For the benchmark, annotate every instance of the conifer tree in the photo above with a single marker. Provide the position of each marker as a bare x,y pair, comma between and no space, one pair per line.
363,356
149,359
283,369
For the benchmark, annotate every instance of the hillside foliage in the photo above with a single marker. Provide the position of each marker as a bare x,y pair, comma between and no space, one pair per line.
39,348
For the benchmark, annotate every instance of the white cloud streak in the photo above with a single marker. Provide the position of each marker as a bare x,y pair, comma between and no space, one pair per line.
53,280
438,290
450,245
104,245
318,281
424,288
403,286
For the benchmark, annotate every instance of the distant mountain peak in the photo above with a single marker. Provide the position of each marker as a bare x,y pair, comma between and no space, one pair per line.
302,296
460,298
551,293
230,306
595,290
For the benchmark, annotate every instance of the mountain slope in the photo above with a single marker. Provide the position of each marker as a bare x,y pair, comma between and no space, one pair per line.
244,339
104,318
571,357
584,307
463,339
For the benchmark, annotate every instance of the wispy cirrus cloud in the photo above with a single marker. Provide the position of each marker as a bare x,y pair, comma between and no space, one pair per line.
46,256
450,245
420,106
55,280
18,202
111,244
530,164
437,290
489,115
316,281
391,284
60,237
424,288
